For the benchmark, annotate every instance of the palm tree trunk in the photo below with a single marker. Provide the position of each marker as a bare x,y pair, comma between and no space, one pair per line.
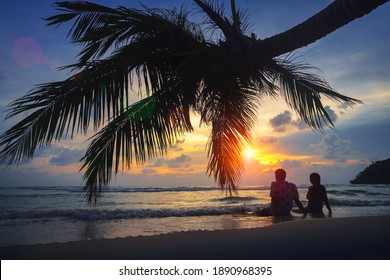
336,15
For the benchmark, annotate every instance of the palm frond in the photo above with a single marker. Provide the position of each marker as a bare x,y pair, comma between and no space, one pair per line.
19,142
233,26
144,131
177,71
239,19
215,17
303,90
60,109
232,114
97,93
98,28
95,26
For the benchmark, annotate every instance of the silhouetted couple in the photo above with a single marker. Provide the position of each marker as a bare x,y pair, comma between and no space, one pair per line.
283,194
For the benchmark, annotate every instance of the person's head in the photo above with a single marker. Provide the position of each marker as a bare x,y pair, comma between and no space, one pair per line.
280,175
315,178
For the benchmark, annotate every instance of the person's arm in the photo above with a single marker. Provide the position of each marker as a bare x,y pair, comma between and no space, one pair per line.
274,206
328,205
326,201
297,201
300,206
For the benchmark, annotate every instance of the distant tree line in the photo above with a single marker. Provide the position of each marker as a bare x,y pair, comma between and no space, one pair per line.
377,173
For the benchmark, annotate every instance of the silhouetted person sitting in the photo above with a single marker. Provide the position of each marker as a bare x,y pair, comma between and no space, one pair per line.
283,194
317,196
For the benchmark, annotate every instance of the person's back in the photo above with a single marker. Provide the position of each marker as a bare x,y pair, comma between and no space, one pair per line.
317,195
283,194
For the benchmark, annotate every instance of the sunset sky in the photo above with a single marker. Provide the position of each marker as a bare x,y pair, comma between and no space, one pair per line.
355,61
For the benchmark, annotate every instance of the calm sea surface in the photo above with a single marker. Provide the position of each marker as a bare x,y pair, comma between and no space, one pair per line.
39,215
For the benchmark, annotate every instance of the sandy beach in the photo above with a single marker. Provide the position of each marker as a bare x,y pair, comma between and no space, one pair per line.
311,239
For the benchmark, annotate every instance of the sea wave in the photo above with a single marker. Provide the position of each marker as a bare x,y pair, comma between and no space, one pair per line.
124,189
118,214
359,202
354,192
234,199
157,189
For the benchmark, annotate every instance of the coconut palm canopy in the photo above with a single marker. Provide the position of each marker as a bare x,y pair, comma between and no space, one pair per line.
177,68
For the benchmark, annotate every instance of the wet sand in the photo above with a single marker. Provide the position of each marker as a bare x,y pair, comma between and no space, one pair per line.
356,238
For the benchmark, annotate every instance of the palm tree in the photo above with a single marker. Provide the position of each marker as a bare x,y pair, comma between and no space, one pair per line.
178,71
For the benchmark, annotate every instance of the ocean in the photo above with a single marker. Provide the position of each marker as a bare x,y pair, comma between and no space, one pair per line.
41,215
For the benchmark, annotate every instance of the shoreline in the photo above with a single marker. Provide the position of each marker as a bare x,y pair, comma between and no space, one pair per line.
354,238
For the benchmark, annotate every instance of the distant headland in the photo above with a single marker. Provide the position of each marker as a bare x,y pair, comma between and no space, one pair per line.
377,173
